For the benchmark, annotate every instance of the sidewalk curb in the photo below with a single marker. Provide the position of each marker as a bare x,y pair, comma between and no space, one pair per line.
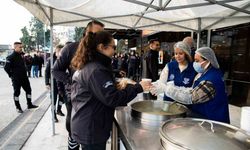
15,135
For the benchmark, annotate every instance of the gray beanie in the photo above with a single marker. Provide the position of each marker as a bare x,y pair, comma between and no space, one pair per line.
183,46
209,54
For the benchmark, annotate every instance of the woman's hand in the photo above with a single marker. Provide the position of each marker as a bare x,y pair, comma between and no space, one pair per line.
124,82
145,85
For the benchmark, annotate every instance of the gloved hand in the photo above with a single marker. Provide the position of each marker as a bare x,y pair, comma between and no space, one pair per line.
157,87
169,86
178,93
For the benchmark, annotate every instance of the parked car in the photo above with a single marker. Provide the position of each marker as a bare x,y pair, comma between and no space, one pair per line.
2,60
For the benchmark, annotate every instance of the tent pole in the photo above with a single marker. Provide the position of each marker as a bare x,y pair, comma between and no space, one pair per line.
199,33
51,75
198,39
208,37
142,15
192,34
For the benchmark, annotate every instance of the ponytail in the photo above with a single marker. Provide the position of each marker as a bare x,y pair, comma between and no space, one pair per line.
87,48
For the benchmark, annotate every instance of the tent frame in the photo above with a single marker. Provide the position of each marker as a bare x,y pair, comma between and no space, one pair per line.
141,15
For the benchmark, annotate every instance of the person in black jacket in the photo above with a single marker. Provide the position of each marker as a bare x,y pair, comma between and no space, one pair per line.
15,68
152,64
35,66
28,63
55,88
151,58
41,62
94,91
63,72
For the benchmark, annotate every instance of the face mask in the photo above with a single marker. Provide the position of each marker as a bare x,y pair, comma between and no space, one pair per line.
198,68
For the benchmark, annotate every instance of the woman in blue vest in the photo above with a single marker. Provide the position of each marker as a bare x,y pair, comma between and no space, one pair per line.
207,97
180,70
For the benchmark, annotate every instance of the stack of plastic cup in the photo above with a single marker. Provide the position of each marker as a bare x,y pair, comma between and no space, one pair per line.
245,119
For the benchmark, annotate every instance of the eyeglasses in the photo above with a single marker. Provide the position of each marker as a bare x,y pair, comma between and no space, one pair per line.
113,46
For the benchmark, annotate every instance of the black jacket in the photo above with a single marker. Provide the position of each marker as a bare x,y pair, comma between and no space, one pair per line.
151,58
47,70
94,98
62,65
61,69
15,66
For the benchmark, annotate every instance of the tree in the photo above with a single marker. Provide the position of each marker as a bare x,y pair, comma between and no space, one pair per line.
47,38
37,32
26,39
78,33
121,46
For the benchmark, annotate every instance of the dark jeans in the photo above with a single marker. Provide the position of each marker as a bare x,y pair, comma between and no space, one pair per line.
99,146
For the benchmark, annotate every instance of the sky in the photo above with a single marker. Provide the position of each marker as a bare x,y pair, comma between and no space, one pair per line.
13,18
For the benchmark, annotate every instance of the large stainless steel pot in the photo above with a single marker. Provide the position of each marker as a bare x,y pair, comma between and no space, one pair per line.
201,134
155,111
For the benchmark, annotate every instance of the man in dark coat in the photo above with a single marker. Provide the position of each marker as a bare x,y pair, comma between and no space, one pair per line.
151,58
16,69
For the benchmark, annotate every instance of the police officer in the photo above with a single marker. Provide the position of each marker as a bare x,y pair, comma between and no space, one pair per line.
15,68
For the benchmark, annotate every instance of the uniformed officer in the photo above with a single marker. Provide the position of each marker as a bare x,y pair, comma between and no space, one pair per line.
15,68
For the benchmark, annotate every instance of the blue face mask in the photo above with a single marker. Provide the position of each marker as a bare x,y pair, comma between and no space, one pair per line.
198,68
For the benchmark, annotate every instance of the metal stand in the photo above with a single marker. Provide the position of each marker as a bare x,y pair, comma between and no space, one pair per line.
114,138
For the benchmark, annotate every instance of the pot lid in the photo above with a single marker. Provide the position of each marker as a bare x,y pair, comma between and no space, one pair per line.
201,134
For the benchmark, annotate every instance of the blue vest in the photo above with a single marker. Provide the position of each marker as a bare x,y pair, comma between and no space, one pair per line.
216,108
184,78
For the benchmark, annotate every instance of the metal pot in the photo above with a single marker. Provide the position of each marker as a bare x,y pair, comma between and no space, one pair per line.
155,111
201,134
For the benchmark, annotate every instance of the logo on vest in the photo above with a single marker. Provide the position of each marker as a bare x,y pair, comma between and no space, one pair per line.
107,84
186,80
171,77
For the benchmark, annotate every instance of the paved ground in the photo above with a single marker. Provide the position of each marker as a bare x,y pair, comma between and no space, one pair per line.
7,107
43,139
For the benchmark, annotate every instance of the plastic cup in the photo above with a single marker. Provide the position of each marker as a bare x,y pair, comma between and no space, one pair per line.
147,81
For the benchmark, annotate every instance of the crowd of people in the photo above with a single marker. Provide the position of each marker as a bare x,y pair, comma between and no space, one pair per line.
128,64
34,64
85,75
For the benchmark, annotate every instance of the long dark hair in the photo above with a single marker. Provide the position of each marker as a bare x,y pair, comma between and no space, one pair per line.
87,48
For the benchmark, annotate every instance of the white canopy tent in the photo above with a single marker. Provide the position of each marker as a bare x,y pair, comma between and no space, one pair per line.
160,15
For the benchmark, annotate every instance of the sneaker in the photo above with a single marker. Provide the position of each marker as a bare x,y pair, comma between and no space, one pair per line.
32,106
60,113
19,110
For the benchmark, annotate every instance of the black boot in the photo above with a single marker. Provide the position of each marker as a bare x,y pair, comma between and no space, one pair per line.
59,111
18,107
31,106
55,118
